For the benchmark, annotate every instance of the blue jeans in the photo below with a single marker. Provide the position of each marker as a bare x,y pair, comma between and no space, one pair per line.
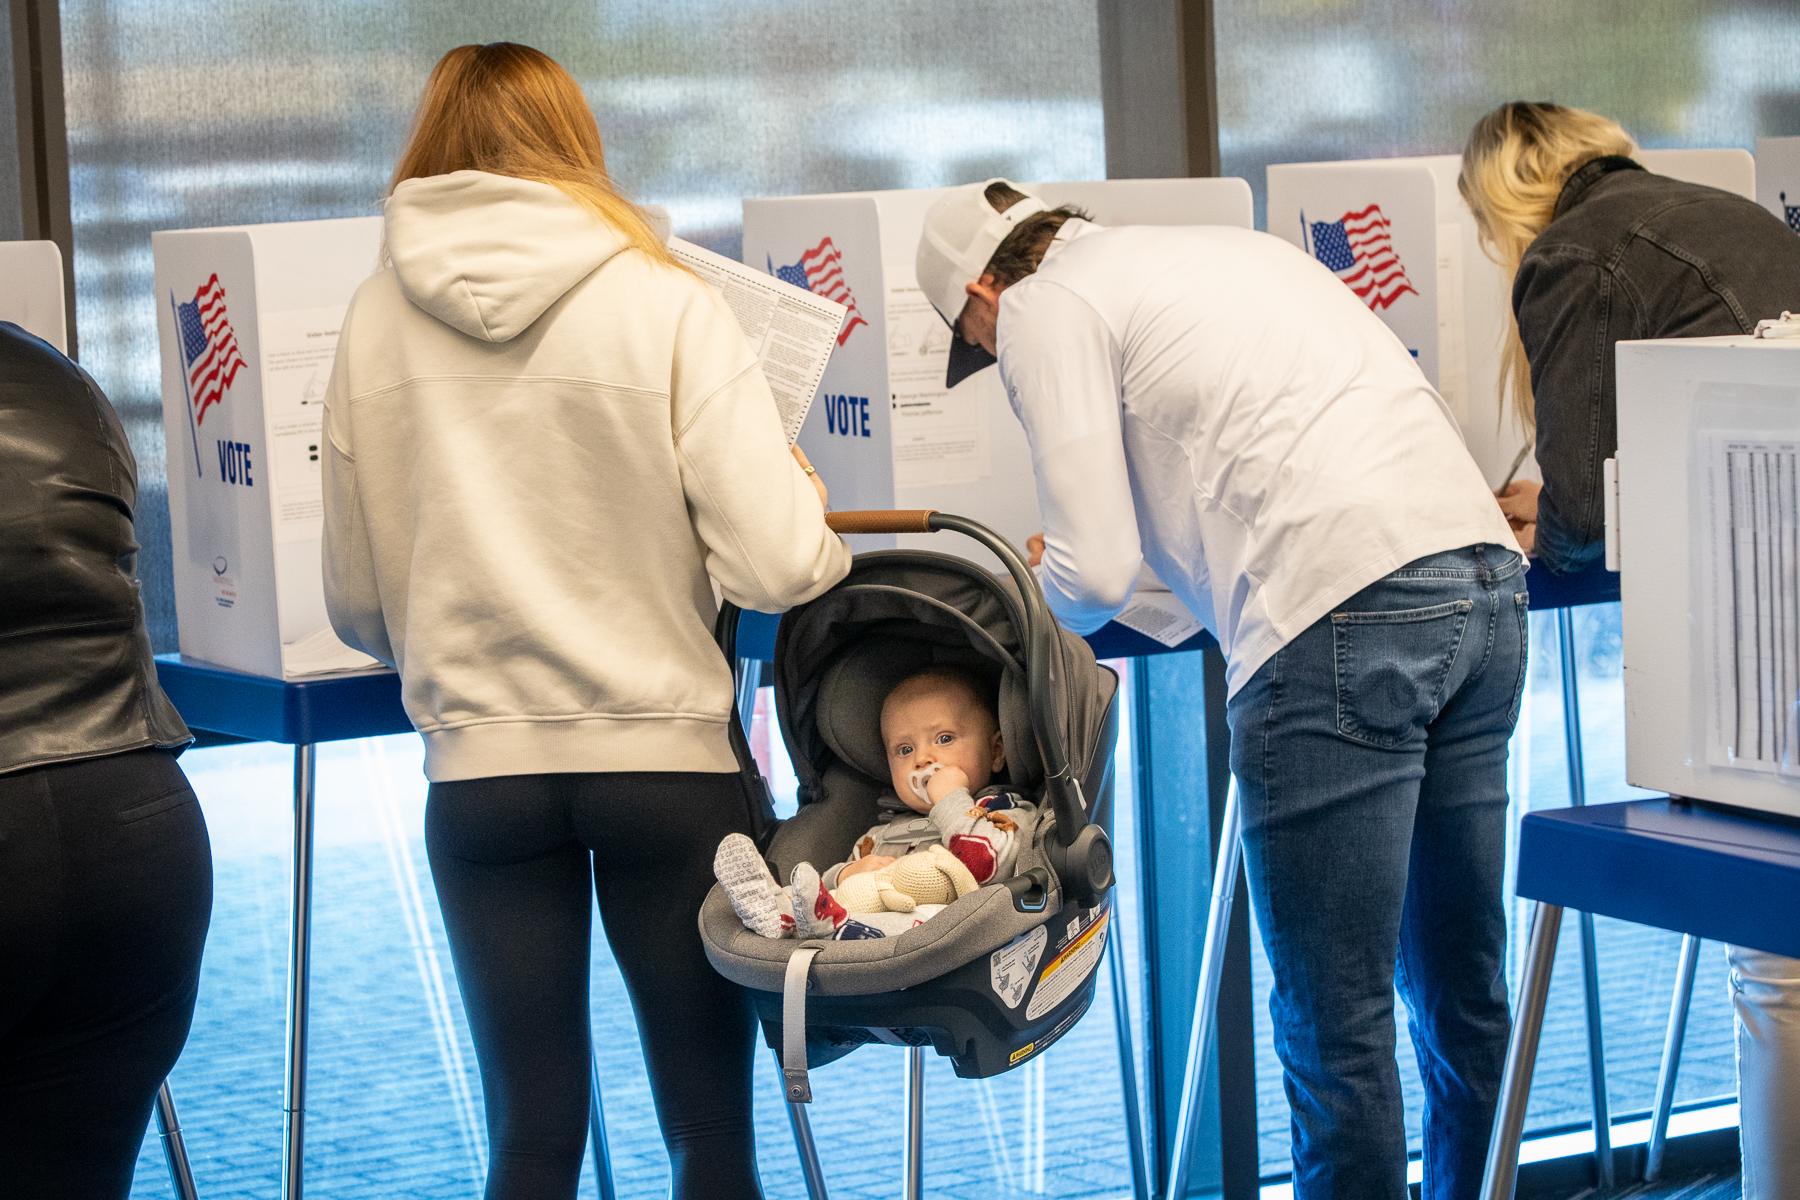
1370,754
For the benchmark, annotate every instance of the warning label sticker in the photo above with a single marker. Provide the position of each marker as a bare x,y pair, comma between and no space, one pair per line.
1010,967
1068,969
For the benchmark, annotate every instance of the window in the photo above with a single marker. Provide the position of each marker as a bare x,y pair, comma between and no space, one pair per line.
1306,80
234,113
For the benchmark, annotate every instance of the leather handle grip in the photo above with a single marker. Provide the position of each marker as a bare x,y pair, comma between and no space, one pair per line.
913,520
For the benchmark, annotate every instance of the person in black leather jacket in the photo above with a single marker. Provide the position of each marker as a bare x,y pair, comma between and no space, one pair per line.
105,866
1603,251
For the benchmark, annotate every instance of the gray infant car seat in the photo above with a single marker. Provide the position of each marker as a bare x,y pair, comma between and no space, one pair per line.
1005,971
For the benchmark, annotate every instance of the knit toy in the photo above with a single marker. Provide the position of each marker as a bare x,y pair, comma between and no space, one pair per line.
931,875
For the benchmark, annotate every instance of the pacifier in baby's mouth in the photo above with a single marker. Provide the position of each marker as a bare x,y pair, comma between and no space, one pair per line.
919,778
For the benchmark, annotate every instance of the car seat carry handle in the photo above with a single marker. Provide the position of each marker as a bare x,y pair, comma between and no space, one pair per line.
1079,854
875,520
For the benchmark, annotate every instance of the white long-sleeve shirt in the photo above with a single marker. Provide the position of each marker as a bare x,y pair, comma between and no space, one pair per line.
1214,402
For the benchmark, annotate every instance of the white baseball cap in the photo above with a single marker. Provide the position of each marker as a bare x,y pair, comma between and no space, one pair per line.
961,233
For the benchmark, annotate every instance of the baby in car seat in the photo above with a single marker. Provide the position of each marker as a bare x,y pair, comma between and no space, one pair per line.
949,832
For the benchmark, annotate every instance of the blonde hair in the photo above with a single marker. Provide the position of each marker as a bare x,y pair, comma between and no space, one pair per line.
512,110
1514,167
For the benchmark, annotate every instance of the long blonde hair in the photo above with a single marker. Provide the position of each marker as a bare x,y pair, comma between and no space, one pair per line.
512,110
1514,167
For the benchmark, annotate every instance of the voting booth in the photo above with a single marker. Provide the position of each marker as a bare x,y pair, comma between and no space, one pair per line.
884,432
1704,526
1778,178
1397,232
248,321
33,296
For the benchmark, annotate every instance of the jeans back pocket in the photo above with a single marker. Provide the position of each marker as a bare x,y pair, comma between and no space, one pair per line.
1522,607
1391,670
162,802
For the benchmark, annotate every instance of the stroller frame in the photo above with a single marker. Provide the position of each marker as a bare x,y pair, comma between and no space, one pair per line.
1078,853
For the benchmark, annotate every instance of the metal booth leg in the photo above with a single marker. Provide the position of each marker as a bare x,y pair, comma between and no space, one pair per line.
746,676
912,1166
811,1169
293,1105
1134,1121
1590,971
1671,1056
1206,995
168,1125
1521,1056
597,1128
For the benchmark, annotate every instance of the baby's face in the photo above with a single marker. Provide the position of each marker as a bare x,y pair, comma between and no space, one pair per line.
938,724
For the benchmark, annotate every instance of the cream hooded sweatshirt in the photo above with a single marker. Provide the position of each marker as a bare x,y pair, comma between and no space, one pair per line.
542,449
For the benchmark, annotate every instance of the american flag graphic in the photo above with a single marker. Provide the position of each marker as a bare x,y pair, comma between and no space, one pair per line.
1359,249
821,271
209,348
1793,213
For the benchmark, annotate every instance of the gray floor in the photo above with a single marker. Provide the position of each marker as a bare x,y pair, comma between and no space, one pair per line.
1711,1186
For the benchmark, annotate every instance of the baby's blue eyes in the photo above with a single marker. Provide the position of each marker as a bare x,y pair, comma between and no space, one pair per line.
905,749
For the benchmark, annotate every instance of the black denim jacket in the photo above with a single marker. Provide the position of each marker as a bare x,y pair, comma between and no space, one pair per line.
76,676
1629,255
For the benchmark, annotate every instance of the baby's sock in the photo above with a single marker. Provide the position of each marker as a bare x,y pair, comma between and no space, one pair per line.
764,906
816,913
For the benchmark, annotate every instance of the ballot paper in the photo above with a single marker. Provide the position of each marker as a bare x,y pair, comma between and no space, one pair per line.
792,330
1752,491
1160,616
321,653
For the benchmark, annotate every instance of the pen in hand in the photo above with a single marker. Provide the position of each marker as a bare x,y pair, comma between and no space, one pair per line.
1524,452
1521,511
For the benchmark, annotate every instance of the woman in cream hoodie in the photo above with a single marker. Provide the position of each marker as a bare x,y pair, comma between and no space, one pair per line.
546,443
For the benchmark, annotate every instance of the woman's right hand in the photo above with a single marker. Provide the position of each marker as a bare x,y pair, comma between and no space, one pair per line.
1519,501
812,474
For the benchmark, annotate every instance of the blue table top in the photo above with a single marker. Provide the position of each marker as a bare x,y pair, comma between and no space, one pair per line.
367,703
1591,585
327,709
1730,875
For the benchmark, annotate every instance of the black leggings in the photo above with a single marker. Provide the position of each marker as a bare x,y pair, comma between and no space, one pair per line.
105,896
511,858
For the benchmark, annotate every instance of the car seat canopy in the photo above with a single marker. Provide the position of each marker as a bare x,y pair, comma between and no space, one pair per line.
900,612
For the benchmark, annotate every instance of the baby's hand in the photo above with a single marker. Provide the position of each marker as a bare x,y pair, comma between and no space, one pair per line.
873,862
945,781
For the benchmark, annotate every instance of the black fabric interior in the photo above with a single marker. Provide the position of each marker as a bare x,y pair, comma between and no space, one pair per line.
899,611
